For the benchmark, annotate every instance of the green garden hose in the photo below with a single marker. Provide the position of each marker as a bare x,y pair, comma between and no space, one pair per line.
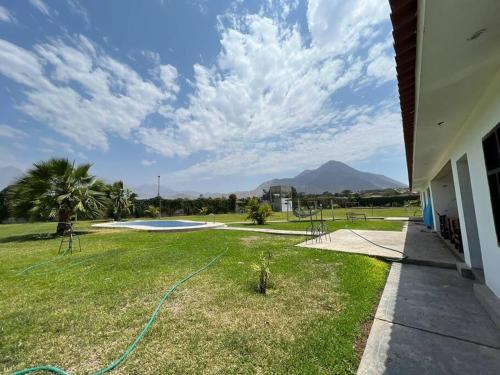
132,346
71,265
42,263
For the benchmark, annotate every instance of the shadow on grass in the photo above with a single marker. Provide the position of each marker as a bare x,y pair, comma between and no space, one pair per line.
37,237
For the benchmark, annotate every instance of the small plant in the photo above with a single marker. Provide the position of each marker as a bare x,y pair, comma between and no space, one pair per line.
264,272
204,211
257,212
152,211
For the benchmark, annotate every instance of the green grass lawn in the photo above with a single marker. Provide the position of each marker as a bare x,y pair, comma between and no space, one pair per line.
339,213
81,311
331,225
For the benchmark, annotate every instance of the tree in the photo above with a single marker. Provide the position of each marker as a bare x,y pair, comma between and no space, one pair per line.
4,212
257,212
232,202
152,211
122,200
57,189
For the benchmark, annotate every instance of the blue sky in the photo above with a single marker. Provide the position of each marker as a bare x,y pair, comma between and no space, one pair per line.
211,95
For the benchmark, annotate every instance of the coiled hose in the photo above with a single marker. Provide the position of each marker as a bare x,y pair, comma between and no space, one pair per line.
132,346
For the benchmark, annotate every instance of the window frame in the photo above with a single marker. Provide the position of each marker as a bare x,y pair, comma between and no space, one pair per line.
493,174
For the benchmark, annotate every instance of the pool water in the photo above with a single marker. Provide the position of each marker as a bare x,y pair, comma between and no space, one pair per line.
161,223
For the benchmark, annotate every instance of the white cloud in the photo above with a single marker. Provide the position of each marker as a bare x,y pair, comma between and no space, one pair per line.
268,104
292,153
76,8
279,9
148,163
382,66
339,25
10,132
85,95
265,83
5,15
168,75
41,6
271,102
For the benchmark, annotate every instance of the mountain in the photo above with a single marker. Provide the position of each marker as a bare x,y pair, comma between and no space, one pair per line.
333,176
8,175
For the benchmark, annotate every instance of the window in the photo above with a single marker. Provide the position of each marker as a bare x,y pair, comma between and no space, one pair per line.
491,149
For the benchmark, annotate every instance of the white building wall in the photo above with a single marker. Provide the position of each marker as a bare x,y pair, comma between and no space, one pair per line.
465,242
485,116
444,198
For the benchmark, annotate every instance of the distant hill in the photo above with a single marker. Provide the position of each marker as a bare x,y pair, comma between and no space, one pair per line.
333,176
8,175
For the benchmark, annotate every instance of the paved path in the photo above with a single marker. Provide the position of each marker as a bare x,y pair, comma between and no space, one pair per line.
429,322
414,241
249,222
264,230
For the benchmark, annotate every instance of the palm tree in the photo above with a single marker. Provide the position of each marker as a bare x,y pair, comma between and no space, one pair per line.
122,200
57,189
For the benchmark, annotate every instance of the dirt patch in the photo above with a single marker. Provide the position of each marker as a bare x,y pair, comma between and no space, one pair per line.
250,240
364,332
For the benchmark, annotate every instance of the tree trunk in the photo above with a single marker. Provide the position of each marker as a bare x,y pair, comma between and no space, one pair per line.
64,223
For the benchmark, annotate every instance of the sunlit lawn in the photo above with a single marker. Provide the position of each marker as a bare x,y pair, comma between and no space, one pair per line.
338,213
81,311
331,226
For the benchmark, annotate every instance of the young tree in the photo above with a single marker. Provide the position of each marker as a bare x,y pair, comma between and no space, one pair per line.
57,189
257,212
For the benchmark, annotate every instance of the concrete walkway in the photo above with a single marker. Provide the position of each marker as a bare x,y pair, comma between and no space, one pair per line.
249,222
419,245
429,322
269,231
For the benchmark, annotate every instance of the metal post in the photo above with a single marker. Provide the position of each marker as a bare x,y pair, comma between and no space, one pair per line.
159,198
298,208
331,204
321,215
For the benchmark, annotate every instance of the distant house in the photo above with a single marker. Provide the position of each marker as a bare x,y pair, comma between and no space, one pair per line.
280,198
448,69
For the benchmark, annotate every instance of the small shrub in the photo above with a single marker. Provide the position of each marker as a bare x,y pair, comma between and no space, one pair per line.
264,272
257,212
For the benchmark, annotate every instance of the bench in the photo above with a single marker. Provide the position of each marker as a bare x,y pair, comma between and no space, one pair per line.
355,216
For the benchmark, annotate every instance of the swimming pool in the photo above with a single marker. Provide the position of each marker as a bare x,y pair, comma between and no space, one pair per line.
160,225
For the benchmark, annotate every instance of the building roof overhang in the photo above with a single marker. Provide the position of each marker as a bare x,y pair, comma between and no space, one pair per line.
404,23
447,55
